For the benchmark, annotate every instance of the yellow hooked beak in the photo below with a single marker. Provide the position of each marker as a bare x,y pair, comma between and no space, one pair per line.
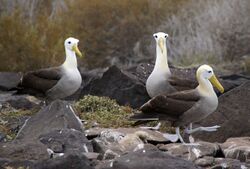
76,50
216,83
161,44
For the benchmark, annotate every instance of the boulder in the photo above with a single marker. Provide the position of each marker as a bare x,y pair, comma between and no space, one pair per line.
66,141
206,161
232,115
150,160
20,101
56,116
237,148
112,144
53,138
120,85
222,163
89,75
191,153
9,80
24,151
152,136
65,162
64,149
236,79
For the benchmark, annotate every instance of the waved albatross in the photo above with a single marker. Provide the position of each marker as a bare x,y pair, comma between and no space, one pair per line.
161,79
57,82
185,107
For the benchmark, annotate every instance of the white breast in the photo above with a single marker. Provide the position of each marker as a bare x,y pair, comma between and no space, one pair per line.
157,83
73,80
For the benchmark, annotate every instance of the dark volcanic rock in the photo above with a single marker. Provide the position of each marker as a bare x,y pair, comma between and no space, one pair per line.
53,138
122,86
56,150
232,115
151,160
9,80
89,75
20,101
23,151
65,162
66,141
56,116
236,79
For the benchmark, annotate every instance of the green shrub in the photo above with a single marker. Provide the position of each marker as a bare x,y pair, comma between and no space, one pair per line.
103,110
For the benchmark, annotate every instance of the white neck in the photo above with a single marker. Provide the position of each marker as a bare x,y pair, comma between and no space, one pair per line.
205,87
161,59
70,61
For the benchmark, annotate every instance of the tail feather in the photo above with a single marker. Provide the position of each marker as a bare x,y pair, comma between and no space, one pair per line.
142,118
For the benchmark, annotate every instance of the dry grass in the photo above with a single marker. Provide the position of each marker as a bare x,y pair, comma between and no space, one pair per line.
210,31
120,32
32,31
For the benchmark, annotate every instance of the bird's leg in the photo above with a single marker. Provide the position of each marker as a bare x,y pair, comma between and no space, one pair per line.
177,130
190,126
171,137
190,137
208,129
157,127
175,137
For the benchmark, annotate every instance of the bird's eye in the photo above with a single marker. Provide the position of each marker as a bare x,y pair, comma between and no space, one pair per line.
209,71
156,36
69,42
166,36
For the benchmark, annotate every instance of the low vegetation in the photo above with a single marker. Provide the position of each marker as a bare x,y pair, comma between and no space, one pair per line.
103,111
12,120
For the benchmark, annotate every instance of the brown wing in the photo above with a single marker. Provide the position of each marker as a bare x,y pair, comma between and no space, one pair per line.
182,84
169,107
53,73
186,95
195,113
42,80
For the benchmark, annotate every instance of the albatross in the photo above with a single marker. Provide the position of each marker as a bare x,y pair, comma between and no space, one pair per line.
57,82
185,107
161,80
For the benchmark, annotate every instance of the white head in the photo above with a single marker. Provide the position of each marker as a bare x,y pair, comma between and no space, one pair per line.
71,44
160,39
205,73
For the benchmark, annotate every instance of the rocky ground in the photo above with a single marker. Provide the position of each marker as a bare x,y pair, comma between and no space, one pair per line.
93,132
